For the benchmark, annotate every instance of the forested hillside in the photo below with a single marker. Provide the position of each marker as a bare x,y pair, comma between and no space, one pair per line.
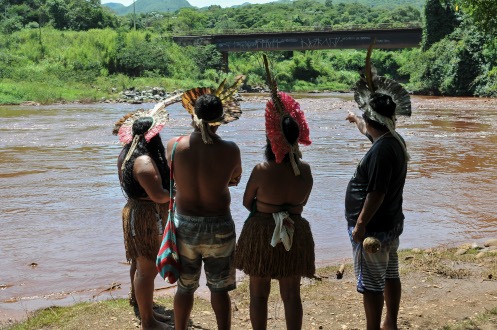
148,6
383,3
77,49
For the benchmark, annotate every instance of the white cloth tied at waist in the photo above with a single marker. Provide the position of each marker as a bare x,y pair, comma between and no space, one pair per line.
283,231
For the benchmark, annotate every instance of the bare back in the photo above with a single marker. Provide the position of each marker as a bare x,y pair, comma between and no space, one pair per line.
276,188
203,173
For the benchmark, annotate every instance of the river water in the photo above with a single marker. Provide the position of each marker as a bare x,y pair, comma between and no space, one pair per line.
61,235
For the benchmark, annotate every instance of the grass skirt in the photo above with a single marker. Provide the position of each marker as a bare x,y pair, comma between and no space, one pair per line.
256,257
147,238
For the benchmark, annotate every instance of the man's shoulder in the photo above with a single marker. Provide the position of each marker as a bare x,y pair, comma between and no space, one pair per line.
179,139
228,144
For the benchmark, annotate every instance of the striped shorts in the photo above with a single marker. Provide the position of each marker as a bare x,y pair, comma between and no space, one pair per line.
372,269
211,240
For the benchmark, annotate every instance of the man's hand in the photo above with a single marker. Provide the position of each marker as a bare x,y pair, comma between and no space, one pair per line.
359,233
359,122
351,117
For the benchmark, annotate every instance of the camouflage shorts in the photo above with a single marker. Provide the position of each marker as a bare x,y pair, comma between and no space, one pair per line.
211,240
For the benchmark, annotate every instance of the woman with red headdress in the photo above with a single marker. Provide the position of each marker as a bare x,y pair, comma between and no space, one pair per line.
276,241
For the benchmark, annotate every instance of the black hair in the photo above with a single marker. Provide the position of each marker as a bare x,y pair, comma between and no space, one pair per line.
382,104
291,132
155,149
208,107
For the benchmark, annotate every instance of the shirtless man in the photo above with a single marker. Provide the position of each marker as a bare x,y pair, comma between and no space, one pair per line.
203,172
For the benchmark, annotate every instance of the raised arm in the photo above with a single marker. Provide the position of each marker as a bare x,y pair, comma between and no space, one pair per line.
353,118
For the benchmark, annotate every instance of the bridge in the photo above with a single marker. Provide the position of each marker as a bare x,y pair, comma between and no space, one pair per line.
324,38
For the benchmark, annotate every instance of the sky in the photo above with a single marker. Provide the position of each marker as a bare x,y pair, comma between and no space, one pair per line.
202,3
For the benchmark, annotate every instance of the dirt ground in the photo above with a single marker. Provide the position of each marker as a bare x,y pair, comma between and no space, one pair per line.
437,291
441,289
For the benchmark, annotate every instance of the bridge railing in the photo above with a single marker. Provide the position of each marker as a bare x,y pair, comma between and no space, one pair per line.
349,27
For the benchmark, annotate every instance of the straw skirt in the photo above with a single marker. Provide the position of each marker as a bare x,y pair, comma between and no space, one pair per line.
143,228
256,257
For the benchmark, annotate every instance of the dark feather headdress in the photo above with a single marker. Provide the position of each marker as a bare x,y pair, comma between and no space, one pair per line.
371,85
231,107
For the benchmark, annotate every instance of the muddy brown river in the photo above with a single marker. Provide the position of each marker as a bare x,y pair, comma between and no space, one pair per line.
61,235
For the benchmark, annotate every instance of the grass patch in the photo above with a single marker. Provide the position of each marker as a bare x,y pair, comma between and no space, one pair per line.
486,320
447,263
108,314
47,92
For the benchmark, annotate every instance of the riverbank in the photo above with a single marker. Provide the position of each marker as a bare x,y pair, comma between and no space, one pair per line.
443,288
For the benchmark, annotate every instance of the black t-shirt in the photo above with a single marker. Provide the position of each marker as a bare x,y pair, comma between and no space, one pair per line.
382,169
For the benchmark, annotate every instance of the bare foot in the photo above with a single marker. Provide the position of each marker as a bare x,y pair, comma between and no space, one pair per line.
154,325
132,299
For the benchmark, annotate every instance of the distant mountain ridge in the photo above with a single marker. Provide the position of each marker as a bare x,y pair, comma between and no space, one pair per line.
147,6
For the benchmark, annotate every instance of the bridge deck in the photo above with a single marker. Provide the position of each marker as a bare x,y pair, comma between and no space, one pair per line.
308,40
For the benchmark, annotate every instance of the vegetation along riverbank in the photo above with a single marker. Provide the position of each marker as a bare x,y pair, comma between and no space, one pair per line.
443,288
78,50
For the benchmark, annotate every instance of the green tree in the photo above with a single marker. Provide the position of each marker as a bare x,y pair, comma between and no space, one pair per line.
207,57
439,20
484,13
58,12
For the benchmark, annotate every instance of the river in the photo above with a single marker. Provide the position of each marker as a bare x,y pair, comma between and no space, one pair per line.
61,238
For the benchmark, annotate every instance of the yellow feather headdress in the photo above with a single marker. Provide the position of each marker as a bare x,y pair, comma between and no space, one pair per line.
232,110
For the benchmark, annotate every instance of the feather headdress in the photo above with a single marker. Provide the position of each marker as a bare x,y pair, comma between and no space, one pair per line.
371,85
124,126
278,108
231,107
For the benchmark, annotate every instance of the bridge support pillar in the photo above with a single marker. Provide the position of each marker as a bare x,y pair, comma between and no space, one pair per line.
225,61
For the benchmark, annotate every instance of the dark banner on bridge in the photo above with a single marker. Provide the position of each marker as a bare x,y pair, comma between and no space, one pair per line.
387,39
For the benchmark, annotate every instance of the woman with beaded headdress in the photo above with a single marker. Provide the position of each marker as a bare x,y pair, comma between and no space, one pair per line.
144,177
276,241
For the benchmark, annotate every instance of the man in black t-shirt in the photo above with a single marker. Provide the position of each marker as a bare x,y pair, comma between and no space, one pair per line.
373,208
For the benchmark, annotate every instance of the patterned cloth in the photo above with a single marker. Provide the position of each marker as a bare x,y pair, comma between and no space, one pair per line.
211,240
372,269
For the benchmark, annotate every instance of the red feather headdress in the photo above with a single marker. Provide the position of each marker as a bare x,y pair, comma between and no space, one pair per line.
280,106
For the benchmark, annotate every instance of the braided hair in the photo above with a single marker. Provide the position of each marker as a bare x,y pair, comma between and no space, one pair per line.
155,149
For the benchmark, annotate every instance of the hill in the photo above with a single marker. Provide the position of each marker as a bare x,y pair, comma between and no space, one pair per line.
114,6
383,3
147,6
